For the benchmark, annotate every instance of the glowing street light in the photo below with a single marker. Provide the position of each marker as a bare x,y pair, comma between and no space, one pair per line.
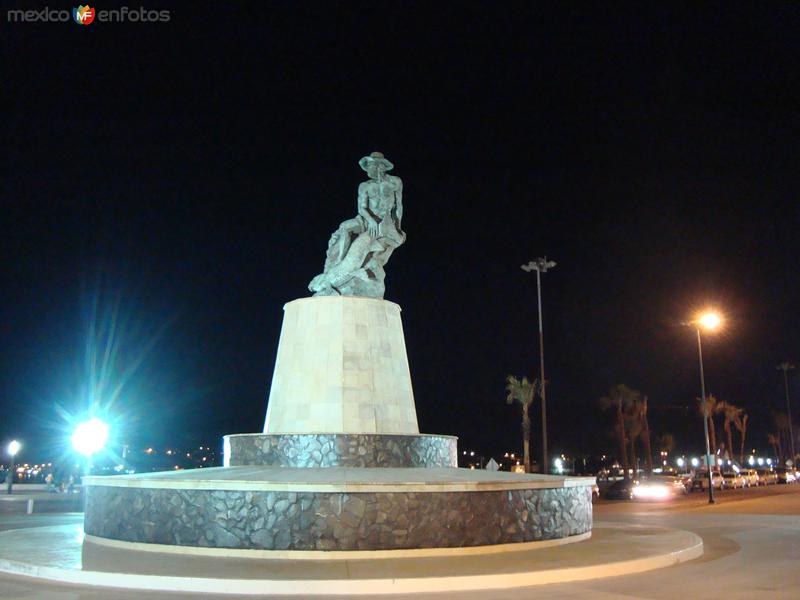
13,447
90,437
710,321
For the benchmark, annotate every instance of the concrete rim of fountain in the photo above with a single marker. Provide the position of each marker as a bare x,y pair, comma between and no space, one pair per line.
60,554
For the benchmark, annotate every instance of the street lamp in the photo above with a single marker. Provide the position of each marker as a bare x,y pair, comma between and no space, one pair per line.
710,321
786,367
541,265
89,438
13,447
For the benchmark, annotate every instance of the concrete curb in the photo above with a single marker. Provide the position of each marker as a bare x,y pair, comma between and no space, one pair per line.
691,547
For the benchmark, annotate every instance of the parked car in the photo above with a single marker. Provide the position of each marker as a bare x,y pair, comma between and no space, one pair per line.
784,475
700,481
751,475
767,476
733,480
687,479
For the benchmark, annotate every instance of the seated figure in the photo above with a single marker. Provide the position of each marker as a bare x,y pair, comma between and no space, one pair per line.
360,247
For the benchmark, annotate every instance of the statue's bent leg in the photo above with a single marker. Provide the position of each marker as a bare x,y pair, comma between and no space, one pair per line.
351,263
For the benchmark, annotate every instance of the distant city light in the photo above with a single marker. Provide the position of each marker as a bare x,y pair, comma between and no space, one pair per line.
769,461
680,462
751,460
760,462
695,462
90,436
559,464
14,447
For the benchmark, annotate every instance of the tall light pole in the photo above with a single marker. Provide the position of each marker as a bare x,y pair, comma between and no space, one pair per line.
541,265
12,449
709,321
786,367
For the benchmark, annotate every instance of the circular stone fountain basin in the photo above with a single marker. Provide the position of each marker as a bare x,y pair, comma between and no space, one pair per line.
336,509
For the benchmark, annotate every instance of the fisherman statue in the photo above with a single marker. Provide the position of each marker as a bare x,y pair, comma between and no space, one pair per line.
359,249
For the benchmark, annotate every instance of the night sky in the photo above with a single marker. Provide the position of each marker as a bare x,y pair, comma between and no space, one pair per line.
181,180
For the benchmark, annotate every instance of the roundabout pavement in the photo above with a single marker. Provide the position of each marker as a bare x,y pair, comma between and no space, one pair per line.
751,546
61,554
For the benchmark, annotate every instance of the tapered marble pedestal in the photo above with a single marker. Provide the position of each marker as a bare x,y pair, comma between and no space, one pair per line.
341,368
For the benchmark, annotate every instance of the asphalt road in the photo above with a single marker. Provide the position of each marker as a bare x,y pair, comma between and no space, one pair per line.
751,539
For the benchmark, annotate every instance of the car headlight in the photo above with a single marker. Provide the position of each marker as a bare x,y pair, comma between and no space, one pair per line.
653,492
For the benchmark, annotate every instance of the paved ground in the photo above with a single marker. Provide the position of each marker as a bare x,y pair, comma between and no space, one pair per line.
751,537
42,502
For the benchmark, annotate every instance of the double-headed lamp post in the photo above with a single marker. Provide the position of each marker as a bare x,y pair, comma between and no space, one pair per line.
541,265
786,367
709,321
13,447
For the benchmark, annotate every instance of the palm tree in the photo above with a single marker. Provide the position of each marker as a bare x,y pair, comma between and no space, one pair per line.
774,441
781,421
523,392
731,414
708,410
633,424
666,443
741,425
620,397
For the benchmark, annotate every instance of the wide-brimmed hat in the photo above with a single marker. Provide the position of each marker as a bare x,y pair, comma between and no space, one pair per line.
375,157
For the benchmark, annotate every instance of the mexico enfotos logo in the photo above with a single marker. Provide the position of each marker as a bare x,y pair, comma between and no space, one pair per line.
86,15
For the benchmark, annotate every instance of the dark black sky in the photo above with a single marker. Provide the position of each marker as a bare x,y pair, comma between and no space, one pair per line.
189,174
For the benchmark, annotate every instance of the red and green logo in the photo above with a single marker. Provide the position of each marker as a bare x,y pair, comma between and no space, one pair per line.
83,15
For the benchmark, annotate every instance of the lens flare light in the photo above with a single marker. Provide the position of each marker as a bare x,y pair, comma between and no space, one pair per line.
710,321
14,447
90,436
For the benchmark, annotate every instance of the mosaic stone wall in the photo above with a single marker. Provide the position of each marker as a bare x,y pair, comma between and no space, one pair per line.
341,450
335,521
